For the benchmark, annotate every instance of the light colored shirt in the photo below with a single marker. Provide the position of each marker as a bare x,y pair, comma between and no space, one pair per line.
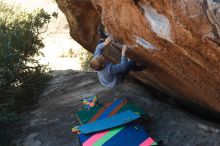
112,74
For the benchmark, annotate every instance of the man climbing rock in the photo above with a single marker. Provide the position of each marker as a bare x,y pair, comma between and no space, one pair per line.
109,74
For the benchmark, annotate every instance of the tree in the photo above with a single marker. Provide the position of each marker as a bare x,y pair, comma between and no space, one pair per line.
21,76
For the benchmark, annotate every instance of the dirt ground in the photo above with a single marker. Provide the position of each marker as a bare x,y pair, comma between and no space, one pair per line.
51,122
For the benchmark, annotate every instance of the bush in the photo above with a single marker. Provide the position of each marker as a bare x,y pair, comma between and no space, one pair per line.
85,58
21,76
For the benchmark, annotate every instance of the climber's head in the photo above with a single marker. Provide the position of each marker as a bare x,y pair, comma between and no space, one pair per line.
98,63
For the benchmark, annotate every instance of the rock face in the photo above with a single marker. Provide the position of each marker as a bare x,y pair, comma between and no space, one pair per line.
179,40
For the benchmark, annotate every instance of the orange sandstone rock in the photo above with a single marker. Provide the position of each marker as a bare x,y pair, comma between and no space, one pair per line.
178,39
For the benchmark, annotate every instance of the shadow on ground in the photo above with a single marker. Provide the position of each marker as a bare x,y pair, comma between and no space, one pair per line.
51,122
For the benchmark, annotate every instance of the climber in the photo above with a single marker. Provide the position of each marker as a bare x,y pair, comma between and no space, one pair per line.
109,74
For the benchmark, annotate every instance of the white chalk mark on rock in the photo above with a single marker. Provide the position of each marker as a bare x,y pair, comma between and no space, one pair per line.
159,23
144,43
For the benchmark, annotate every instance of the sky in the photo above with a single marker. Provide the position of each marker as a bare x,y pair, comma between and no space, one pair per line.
57,39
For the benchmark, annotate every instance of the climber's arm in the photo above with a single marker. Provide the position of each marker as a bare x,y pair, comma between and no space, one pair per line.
123,66
108,40
100,47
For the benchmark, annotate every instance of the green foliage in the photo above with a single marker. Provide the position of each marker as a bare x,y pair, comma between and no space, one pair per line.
21,76
85,58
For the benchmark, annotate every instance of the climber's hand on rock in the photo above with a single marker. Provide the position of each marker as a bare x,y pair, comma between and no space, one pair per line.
124,49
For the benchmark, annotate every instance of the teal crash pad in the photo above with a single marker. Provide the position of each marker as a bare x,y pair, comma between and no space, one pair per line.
110,122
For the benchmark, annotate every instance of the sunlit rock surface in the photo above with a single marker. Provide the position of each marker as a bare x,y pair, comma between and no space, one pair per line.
177,39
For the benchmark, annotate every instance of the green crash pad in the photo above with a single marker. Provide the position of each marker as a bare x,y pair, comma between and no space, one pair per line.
84,116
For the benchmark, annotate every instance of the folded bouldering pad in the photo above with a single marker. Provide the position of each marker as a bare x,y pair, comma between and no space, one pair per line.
109,109
110,122
127,135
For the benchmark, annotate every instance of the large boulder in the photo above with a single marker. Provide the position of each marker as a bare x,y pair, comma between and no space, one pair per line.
179,40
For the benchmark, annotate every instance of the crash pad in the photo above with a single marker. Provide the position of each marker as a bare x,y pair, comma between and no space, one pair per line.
85,115
128,135
110,108
94,113
110,122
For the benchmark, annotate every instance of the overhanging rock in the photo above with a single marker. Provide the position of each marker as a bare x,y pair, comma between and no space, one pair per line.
177,39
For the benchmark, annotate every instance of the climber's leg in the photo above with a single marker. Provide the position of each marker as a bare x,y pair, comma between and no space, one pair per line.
138,68
132,66
129,66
